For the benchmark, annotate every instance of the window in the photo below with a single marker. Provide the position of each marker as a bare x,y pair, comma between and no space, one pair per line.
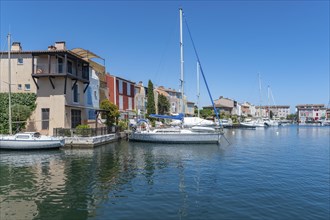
120,87
19,86
128,89
76,93
121,103
27,87
95,95
45,118
85,71
130,103
70,67
89,96
91,114
75,118
20,61
60,65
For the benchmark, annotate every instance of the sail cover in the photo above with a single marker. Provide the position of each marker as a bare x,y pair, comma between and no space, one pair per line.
174,117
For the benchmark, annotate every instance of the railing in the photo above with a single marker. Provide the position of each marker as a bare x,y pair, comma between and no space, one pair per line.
85,132
41,69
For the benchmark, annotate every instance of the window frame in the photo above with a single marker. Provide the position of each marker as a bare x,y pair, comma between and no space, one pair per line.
45,121
27,87
20,61
75,93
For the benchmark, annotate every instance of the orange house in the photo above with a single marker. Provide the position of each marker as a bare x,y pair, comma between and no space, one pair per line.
121,93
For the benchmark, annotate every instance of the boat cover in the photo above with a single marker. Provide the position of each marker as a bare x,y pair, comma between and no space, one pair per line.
174,117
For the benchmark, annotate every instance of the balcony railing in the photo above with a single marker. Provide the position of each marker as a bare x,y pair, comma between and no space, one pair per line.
41,69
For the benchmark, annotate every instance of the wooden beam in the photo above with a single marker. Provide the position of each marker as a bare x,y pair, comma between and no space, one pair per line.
76,67
65,67
86,87
74,84
51,81
65,79
35,82
32,64
49,59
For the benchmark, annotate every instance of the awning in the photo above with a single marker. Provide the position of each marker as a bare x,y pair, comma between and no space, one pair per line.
86,54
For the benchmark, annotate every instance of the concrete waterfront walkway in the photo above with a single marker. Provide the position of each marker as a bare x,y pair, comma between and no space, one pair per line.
90,142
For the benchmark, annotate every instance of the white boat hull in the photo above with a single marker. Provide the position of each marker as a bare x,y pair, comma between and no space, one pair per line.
175,138
29,141
30,144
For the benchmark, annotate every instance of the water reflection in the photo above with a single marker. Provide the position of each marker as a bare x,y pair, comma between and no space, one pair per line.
149,181
54,184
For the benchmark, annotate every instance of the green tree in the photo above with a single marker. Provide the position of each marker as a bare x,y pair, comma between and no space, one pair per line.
292,117
23,104
205,113
113,113
234,119
271,114
163,105
151,109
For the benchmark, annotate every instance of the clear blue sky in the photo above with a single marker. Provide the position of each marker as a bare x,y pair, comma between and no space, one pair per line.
287,42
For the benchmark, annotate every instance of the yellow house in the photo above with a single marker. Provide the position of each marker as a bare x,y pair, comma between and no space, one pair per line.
57,76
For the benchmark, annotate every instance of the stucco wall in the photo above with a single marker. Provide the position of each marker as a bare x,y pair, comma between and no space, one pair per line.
20,73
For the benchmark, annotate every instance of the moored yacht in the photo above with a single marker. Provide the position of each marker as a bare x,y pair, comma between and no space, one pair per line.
30,141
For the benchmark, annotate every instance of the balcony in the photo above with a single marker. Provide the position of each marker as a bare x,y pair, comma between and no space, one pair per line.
59,64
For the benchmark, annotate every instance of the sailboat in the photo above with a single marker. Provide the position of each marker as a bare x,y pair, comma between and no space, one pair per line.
26,140
180,135
192,121
257,122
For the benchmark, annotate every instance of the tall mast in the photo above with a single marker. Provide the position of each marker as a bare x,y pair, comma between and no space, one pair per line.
260,112
268,102
181,53
198,92
9,87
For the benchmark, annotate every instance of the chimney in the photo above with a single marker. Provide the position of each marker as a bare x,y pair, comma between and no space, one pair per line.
60,45
16,46
51,47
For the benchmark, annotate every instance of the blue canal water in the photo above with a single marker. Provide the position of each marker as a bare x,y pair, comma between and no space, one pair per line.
275,173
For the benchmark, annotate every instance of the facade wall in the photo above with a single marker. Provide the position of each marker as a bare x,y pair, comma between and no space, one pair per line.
310,112
92,95
51,100
111,89
140,100
20,73
119,95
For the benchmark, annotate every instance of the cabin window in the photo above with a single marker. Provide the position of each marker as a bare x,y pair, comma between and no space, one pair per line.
27,87
24,136
45,118
20,61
